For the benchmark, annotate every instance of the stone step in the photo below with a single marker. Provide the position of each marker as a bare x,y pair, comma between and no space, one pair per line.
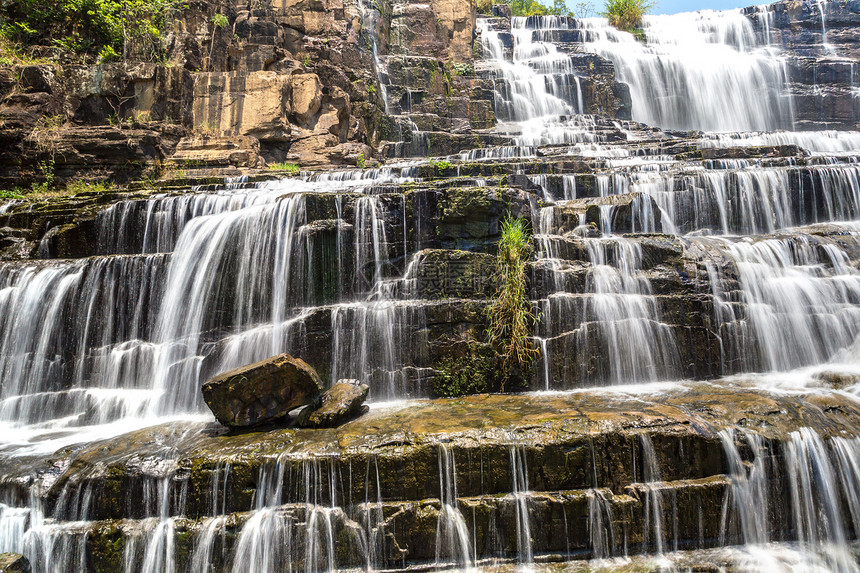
392,534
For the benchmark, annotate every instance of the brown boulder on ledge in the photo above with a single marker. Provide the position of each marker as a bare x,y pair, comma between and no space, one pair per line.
261,393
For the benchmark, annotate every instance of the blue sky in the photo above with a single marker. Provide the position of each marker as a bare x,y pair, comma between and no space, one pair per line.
674,6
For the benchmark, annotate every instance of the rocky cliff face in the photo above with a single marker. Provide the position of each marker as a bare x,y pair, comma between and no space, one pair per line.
295,82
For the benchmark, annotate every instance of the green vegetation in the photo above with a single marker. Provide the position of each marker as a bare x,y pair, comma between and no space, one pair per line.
462,69
89,187
627,14
12,55
220,21
535,8
360,162
502,363
48,188
441,166
511,315
289,167
109,29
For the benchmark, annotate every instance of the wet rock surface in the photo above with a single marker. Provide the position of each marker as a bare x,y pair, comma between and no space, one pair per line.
261,393
574,450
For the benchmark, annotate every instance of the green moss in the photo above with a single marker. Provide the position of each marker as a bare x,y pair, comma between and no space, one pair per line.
475,372
469,200
106,548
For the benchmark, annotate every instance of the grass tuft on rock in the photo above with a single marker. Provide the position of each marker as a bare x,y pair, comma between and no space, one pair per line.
511,315
288,167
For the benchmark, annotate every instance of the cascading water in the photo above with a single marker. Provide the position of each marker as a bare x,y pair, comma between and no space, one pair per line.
704,70
538,89
115,338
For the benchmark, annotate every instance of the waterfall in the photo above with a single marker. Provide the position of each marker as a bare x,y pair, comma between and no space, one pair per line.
538,89
623,316
694,292
601,529
704,70
800,302
520,495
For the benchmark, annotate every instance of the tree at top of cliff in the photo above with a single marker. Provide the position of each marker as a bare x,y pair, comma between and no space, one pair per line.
535,8
626,14
132,28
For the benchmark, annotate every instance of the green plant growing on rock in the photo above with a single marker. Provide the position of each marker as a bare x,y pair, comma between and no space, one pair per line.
46,170
458,69
219,22
107,55
89,187
283,166
360,162
15,193
510,315
441,166
627,14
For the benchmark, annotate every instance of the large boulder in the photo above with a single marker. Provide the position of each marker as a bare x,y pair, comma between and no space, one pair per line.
338,405
261,393
13,563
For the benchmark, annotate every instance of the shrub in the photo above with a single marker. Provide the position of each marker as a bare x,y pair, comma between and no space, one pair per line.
484,6
107,55
220,21
511,315
626,14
